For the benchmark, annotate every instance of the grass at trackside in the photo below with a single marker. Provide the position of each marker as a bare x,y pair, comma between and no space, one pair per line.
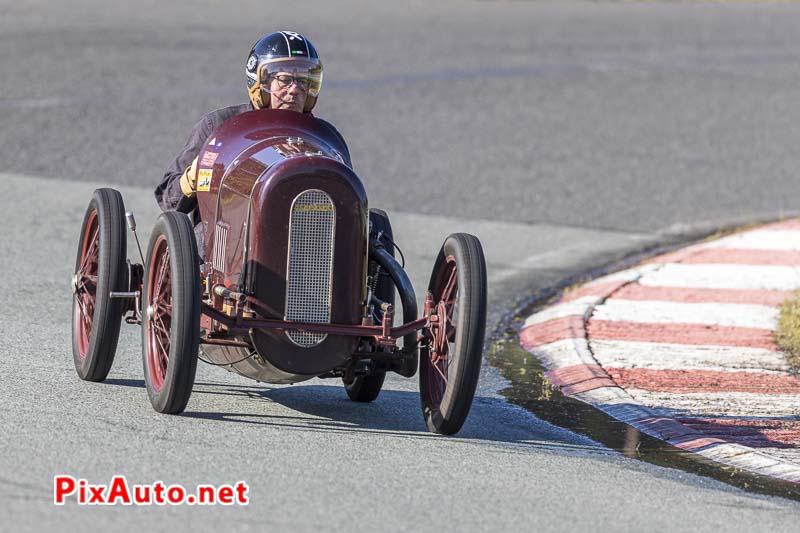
788,332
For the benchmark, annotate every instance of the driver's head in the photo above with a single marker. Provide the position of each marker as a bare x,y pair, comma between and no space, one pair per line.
284,72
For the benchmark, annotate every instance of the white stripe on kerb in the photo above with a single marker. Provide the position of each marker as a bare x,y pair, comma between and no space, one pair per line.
563,353
760,240
576,307
727,404
747,277
738,315
625,275
664,356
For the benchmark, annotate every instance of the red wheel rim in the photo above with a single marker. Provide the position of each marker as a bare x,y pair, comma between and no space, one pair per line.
437,365
85,284
159,313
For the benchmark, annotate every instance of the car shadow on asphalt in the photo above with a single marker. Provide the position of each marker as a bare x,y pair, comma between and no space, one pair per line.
397,413
125,382
394,412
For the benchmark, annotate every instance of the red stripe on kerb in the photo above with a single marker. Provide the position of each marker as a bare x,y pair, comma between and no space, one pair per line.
637,292
753,433
583,386
692,444
706,381
744,257
557,329
579,378
691,334
569,375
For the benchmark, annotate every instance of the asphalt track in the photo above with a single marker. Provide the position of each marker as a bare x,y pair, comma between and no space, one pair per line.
563,134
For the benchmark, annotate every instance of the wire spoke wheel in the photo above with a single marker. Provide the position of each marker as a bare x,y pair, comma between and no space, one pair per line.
159,293
86,293
450,362
171,325
99,270
438,369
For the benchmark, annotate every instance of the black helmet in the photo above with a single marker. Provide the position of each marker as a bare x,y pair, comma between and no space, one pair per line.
282,49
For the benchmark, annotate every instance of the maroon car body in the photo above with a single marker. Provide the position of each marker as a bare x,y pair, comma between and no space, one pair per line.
261,163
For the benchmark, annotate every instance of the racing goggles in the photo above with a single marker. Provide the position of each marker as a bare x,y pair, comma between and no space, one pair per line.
306,74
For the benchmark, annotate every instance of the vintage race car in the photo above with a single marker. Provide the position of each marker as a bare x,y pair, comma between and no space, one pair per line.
296,279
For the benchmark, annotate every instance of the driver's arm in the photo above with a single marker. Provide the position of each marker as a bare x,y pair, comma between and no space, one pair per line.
176,192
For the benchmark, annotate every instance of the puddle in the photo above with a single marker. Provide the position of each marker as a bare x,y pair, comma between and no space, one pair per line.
530,389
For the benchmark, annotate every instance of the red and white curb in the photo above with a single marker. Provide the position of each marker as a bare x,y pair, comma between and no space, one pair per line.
682,348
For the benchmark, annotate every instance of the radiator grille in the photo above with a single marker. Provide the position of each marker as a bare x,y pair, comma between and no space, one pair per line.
310,264
220,244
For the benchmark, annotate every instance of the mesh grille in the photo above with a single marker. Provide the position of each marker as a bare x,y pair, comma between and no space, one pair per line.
308,293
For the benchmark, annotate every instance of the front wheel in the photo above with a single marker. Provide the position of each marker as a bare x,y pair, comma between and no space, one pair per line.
99,271
451,361
171,321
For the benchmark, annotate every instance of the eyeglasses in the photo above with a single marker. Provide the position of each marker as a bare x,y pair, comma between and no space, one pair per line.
286,80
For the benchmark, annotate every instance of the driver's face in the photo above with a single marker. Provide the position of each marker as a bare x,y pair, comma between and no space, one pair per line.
291,97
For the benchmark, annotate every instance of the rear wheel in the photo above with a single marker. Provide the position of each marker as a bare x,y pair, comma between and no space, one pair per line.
367,388
99,270
171,321
450,363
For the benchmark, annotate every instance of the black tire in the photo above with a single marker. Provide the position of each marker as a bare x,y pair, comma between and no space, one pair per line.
367,388
446,402
100,269
171,313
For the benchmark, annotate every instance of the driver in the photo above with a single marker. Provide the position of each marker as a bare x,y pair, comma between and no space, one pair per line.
283,72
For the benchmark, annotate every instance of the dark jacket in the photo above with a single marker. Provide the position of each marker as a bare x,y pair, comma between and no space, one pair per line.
169,195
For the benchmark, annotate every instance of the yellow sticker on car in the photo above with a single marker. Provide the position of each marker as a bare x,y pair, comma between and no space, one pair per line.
204,179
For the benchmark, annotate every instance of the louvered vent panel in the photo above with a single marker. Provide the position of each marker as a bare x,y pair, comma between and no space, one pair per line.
220,243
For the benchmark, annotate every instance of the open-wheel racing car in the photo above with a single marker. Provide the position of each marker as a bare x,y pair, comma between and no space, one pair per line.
296,280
